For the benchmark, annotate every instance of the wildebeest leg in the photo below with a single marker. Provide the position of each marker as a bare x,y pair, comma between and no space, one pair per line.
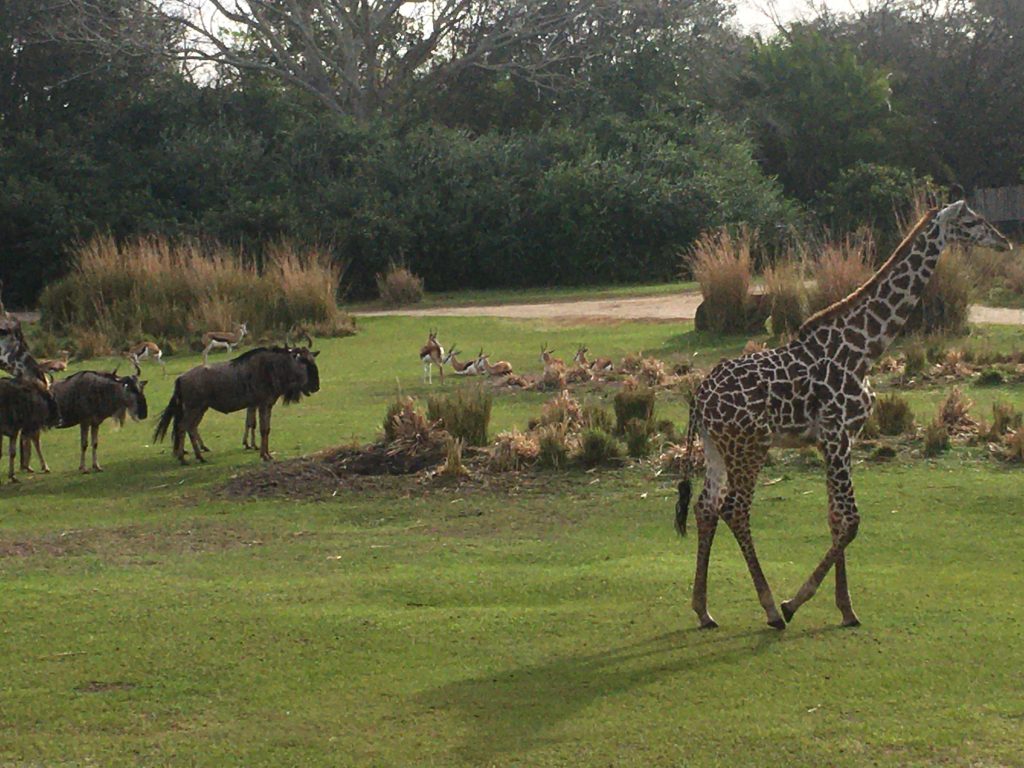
26,454
249,436
11,451
27,441
95,444
84,429
265,433
190,424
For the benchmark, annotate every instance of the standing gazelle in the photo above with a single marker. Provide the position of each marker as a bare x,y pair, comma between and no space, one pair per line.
144,349
223,340
431,354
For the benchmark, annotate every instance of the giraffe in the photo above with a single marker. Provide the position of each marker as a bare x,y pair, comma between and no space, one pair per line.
812,390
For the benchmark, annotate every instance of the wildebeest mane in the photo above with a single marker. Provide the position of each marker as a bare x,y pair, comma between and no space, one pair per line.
257,350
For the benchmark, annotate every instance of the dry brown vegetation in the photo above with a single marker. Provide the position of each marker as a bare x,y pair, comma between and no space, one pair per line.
399,286
721,262
119,292
841,267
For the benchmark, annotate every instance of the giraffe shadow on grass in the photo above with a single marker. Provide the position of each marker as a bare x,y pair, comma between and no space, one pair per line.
511,712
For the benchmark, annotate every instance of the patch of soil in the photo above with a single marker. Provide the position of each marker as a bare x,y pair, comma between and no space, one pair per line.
98,686
130,543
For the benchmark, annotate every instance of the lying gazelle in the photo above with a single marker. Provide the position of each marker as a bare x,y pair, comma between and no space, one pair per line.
431,354
600,365
51,367
461,369
546,357
223,340
500,368
143,350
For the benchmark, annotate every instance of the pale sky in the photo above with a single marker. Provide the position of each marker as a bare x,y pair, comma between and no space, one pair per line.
751,14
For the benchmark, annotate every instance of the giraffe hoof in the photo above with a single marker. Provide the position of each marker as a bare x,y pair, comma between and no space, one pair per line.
854,622
777,624
787,611
709,624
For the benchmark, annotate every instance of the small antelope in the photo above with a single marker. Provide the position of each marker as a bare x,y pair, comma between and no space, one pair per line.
546,357
600,365
223,340
55,366
146,349
500,368
461,369
431,354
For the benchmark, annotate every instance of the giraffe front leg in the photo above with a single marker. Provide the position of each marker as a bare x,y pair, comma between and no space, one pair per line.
844,520
843,602
739,522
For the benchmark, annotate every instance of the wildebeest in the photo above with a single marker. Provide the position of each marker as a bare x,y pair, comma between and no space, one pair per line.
25,407
87,399
255,379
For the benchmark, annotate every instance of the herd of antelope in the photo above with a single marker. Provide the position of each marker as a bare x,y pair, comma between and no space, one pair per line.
32,400
432,355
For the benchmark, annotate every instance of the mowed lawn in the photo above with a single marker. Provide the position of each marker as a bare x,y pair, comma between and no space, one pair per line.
147,619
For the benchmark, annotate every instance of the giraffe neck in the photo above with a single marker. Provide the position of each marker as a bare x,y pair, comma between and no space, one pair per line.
856,331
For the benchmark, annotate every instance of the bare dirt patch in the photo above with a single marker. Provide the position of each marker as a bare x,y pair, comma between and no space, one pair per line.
130,543
680,306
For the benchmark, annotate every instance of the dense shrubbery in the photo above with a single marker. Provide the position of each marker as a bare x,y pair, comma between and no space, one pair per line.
612,199
117,294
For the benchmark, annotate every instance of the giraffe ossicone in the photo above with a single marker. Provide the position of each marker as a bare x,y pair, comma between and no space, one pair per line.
812,390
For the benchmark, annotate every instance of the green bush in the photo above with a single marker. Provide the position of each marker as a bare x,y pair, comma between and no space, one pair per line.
893,415
633,403
598,447
638,438
553,449
936,438
465,413
597,417
991,377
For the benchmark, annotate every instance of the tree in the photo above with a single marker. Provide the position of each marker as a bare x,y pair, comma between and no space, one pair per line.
356,56
816,109
957,74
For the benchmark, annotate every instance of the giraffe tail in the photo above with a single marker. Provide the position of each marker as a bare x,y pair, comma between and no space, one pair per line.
685,487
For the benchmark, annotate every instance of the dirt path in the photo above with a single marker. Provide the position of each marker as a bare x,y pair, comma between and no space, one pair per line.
681,306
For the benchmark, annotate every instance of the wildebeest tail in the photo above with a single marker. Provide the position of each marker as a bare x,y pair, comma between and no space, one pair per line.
172,413
685,487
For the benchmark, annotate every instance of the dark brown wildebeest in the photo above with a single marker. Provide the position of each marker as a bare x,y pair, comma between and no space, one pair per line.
89,398
25,407
253,380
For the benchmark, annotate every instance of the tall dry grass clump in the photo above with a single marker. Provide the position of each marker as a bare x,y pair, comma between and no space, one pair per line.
465,413
841,268
156,288
945,303
786,289
721,263
399,286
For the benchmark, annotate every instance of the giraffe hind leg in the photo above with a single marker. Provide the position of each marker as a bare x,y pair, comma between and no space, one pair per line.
706,514
743,471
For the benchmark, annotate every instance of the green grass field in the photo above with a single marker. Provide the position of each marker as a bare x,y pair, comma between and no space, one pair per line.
146,619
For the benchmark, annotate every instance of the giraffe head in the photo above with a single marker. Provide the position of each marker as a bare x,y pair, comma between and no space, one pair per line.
963,225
